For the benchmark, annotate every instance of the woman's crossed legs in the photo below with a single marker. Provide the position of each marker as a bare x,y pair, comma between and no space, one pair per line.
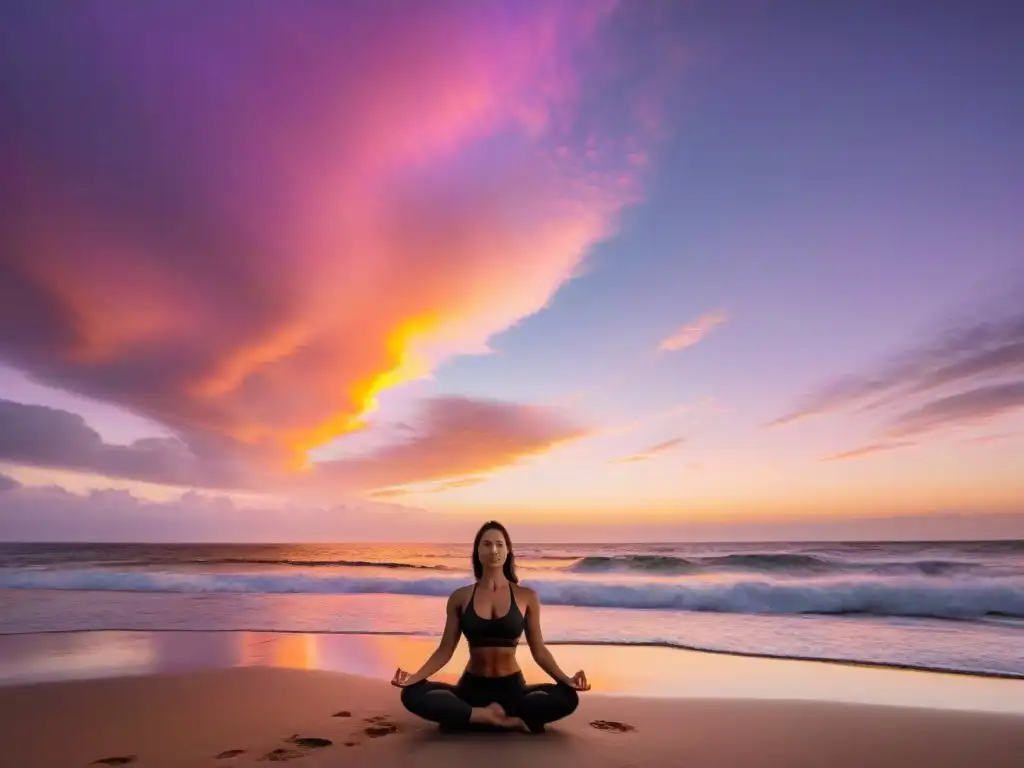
451,706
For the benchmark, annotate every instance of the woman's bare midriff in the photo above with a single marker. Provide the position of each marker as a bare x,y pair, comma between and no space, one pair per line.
492,662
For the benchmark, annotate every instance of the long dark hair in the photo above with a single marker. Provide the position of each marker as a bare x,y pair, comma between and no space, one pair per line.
510,561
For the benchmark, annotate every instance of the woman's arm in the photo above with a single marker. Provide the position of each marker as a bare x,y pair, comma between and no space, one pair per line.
449,641
535,638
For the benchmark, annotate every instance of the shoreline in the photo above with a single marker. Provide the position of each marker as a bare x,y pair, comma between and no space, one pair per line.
565,643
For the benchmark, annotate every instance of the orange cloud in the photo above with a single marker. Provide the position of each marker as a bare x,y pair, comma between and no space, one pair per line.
688,335
867,450
463,482
320,205
652,452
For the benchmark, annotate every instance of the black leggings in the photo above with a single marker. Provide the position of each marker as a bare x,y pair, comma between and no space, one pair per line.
450,705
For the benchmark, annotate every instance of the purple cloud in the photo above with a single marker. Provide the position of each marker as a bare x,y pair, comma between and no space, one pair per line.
40,436
973,352
455,437
53,514
964,408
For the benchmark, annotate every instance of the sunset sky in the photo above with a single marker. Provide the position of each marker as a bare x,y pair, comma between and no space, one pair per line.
602,270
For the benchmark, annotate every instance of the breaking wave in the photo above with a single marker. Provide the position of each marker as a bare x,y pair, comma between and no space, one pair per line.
913,596
778,564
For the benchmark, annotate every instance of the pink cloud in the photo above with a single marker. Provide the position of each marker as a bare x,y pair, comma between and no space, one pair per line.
690,334
48,513
458,438
871,448
266,219
993,438
447,485
652,452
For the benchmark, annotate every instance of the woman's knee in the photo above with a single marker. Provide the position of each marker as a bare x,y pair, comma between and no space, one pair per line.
570,699
412,695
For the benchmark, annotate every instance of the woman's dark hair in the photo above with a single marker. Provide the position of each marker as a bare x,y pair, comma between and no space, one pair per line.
510,561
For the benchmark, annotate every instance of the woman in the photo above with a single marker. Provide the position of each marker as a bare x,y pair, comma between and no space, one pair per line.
492,613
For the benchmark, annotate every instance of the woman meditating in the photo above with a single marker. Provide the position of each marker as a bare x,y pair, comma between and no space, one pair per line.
492,613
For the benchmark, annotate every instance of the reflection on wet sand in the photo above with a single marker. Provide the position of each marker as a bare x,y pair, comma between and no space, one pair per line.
77,655
616,670
288,650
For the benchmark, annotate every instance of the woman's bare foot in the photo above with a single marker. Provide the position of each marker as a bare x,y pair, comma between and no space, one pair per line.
514,724
492,714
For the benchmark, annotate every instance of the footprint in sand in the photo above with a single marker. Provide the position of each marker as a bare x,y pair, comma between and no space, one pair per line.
305,744
281,755
120,760
612,726
380,725
228,754
310,742
380,729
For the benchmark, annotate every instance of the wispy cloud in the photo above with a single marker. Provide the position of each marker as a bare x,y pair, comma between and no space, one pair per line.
969,374
867,450
690,334
703,407
984,439
462,482
964,355
969,407
652,452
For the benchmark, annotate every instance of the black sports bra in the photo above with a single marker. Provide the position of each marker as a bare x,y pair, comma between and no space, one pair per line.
503,632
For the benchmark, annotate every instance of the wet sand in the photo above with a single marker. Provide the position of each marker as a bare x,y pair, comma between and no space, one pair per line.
614,670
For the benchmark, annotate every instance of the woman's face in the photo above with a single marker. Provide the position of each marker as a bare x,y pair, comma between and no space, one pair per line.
492,550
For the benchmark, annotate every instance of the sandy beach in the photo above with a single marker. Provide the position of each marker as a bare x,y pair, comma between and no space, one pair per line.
253,716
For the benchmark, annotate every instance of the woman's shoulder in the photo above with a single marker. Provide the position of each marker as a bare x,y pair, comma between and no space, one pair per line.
522,592
460,594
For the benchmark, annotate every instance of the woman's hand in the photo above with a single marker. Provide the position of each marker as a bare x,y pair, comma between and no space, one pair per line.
401,678
579,681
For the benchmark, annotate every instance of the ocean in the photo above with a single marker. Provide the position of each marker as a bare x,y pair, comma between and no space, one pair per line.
955,606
